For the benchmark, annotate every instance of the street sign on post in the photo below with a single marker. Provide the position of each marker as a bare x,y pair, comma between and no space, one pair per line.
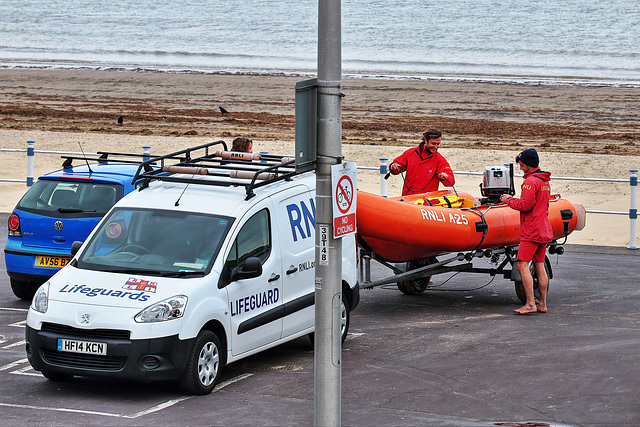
343,183
306,124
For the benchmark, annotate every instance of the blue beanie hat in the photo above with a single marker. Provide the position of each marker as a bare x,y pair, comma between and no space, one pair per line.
529,157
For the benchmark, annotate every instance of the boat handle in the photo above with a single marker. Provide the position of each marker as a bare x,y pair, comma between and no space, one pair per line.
292,270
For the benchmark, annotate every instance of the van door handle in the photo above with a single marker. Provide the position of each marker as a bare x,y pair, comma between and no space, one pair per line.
273,277
292,270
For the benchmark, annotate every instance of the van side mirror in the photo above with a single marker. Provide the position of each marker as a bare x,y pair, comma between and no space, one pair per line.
252,268
75,247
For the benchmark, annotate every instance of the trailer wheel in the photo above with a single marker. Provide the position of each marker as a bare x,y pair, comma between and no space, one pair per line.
204,365
419,285
536,289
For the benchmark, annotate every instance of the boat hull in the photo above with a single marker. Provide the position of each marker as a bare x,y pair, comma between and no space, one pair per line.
406,228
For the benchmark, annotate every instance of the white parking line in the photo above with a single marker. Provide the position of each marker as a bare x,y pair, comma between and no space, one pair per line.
27,370
232,380
13,364
147,411
48,408
20,324
158,407
24,310
15,344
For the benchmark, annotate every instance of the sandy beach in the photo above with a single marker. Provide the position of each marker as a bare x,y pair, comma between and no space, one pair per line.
586,132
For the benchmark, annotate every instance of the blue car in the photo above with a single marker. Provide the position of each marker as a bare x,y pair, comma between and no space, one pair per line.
61,207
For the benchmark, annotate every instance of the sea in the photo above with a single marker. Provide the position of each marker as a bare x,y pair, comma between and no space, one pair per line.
541,42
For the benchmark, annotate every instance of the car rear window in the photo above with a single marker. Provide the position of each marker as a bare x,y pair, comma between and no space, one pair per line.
70,198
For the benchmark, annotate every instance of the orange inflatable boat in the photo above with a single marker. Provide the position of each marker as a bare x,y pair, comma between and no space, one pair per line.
408,228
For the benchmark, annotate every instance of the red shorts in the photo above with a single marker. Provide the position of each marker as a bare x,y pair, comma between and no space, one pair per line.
532,251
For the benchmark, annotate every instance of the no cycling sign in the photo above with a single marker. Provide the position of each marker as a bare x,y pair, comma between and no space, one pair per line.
343,184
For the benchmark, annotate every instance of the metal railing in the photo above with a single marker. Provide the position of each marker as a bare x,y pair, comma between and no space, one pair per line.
383,170
633,182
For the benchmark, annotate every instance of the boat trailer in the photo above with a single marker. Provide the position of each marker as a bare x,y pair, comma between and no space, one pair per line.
413,277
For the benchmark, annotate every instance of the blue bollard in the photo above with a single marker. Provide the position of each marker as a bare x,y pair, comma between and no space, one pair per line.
30,152
633,209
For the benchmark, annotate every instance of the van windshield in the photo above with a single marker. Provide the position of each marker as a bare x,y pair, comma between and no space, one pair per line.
156,242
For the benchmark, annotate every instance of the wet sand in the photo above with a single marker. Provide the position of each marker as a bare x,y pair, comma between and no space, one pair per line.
591,132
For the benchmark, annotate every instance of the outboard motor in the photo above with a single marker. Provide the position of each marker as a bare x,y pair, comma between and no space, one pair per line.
496,181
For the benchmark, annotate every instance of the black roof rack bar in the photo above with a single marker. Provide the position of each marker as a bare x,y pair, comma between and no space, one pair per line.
106,154
102,158
148,170
286,175
219,171
249,186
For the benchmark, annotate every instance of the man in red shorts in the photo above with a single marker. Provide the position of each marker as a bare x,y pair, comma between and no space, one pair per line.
535,228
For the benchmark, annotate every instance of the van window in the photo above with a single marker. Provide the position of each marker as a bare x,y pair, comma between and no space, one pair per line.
254,240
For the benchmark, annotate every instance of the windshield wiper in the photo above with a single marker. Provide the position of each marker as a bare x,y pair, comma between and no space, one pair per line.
74,210
182,273
137,270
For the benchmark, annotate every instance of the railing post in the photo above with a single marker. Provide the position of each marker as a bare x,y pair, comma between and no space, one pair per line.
30,153
633,209
383,173
146,153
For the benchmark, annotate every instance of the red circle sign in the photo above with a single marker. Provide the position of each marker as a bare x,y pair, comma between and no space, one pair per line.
344,194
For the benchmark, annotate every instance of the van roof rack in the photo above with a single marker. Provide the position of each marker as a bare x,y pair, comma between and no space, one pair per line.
103,157
217,167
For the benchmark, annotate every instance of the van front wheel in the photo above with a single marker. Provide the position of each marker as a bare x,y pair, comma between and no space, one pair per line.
203,367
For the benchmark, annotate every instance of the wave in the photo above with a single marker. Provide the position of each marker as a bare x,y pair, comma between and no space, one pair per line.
537,80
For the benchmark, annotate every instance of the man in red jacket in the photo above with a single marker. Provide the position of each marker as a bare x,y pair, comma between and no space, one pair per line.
535,228
425,167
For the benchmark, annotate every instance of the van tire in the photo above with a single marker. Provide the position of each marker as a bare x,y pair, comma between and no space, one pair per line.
345,317
56,376
345,320
203,366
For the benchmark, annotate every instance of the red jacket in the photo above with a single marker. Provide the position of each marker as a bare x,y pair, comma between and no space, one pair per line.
533,205
422,169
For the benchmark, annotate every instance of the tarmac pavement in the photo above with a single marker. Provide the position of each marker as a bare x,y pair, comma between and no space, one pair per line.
455,355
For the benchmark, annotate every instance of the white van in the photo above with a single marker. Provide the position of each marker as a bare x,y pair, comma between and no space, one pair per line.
197,269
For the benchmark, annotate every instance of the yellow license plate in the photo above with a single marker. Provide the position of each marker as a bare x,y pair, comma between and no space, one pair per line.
51,261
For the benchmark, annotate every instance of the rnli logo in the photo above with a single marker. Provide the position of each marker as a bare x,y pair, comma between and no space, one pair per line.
58,226
140,285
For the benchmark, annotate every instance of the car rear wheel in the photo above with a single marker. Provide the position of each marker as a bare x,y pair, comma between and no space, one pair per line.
23,290
204,365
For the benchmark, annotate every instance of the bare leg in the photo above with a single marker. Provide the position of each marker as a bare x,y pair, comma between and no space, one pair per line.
543,285
527,283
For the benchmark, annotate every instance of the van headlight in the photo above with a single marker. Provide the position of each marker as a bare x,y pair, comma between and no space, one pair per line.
40,301
168,309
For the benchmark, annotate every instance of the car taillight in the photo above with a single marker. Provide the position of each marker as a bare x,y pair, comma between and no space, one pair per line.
14,225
